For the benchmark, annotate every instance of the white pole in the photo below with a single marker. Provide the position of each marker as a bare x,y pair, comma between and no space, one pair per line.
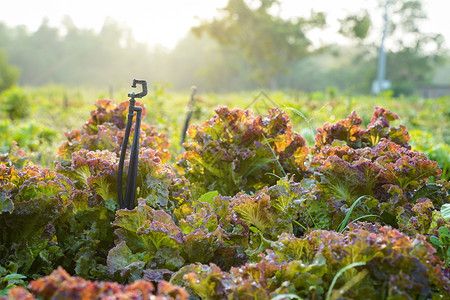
381,73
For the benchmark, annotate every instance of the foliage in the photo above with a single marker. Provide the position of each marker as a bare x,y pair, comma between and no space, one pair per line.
440,238
236,150
307,266
86,234
434,148
356,26
270,236
15,103
412,55
392,180
412,63
78,56
8,73
28,136
442,243
269,213
445,210
268,44
268,41
150,244
31,201
15,156
146,237
106,129
10,281
349,131
60,285
158,184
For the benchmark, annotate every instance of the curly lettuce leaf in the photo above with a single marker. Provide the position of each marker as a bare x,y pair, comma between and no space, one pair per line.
60,284
254,211
206,281
368,261
146,237
32,200
86,234
236,150
349,131
201,245
389,177
106,130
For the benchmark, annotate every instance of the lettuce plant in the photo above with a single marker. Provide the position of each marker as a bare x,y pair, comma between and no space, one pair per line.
60,285
390,265
349,131
150,242
106,129
86,233
145,237
236,150
31,201
269,213
388,177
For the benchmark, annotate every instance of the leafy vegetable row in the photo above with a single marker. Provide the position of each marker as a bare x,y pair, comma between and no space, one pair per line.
249,210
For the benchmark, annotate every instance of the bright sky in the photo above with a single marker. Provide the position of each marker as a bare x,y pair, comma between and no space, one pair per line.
164,22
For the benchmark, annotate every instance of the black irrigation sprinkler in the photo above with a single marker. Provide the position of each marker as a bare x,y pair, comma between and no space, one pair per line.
189,114
130,191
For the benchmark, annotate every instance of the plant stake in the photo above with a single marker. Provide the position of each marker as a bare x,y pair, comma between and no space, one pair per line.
189,114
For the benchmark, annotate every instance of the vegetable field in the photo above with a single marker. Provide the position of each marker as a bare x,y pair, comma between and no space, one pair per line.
272,196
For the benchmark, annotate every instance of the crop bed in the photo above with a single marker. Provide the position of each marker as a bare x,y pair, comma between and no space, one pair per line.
248,210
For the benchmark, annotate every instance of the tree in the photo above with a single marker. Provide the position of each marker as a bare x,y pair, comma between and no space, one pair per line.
268,41
8,74
356,26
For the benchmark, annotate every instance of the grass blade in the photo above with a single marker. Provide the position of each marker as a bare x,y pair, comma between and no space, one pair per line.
339,273
344,223
275,156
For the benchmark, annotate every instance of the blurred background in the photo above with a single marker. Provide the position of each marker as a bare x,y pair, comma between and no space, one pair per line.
356,46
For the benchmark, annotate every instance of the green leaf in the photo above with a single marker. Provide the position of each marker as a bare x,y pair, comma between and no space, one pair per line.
209,197
444,231
427,191
339,273
119,257
255,230
445,211
254,211
436,241
343,224
200,246
6,204
13,276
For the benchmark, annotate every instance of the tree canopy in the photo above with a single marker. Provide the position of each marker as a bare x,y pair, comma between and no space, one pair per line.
268,41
